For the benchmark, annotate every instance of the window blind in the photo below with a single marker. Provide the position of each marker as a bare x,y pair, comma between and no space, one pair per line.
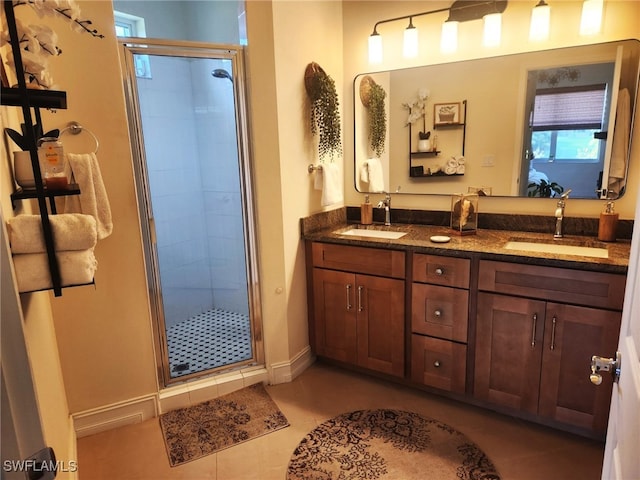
569,108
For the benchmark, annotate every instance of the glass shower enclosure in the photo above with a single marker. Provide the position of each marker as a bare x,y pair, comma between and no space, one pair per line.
187,116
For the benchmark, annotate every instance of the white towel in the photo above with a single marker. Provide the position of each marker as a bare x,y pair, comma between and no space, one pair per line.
32,269
71,231
373,175
93,195
328,180
459,159
460,169
450,169
453,162
620,146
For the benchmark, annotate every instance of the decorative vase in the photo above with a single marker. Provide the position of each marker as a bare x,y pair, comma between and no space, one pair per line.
23,170
424,145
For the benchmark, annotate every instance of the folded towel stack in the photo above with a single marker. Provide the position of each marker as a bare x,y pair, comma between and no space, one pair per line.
454,165
74,238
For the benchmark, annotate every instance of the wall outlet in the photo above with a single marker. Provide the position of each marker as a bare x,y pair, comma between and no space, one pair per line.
488,161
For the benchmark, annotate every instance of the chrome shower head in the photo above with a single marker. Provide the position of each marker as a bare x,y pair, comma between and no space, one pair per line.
222,73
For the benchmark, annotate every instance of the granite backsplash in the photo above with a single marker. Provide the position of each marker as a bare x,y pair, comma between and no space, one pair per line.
490,221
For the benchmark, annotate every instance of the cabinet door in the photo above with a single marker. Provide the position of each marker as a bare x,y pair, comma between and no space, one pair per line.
509,335
335,314
572,336
380,305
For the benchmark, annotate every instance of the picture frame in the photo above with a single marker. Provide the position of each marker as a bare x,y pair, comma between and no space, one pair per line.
446,113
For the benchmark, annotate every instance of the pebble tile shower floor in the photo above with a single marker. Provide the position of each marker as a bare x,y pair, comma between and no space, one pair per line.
209,340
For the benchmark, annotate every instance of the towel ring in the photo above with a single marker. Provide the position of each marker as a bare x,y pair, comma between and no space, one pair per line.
74,128
311,168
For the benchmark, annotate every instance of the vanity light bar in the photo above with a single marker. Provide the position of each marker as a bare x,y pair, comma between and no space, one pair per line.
490,11
459,11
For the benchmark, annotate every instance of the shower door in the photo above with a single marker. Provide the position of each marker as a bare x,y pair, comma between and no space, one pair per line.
187,117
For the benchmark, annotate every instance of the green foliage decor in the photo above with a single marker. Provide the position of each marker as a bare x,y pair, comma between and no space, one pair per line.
325,112
377,119
544,189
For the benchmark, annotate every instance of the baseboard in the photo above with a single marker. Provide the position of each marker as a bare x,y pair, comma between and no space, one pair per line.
285,372
115,415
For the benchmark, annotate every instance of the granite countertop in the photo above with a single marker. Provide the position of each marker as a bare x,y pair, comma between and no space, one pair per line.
485,244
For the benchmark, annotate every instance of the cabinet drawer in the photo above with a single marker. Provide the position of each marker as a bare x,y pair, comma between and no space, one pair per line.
374,261
438,363
447,271
605,290
440,311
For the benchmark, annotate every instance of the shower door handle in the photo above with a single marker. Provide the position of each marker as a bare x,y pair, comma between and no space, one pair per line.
152,230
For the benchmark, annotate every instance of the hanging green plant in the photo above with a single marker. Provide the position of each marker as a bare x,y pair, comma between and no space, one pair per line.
325,112
372,96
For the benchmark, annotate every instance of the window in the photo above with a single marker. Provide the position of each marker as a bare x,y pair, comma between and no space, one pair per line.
565,122
132,26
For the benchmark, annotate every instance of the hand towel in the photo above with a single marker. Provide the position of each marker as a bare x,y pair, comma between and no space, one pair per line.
460,169
32,269
328,180
93,195
620,146
71,231
375,176
450,169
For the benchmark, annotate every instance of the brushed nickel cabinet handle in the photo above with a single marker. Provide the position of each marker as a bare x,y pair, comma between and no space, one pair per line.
360,307
553,333
533,330
437,313
436,364
439,271
349,296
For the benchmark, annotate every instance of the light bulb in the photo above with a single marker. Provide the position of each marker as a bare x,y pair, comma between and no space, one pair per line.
591,20
375,48
410,44
449,37
492,29
540,16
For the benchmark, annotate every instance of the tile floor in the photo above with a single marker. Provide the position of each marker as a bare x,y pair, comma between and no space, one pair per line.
209,340
520,450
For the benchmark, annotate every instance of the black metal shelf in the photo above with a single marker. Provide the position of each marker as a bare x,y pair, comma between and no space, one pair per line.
26,193
15,97
430,153
434,175
414,171
35,99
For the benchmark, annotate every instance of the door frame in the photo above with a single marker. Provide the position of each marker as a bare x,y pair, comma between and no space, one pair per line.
128,48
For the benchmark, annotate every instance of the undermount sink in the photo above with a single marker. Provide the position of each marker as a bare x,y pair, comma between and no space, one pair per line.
361,232
532,246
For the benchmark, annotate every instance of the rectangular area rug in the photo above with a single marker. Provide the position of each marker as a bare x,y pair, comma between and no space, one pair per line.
208,427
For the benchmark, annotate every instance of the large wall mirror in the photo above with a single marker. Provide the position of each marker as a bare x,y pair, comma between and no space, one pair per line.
527,125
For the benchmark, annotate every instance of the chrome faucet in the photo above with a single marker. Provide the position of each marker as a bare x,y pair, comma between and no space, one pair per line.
560,214
386,204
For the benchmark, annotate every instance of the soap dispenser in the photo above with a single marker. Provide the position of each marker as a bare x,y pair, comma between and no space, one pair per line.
608,224
366,212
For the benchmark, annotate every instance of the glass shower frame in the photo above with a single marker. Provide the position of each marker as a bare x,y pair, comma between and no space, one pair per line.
129,47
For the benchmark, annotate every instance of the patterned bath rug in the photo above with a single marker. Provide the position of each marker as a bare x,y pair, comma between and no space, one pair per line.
199,430
388,444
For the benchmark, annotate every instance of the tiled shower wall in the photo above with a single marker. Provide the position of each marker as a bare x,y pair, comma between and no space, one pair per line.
193,173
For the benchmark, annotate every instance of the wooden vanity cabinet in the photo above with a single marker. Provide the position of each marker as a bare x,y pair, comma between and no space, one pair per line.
358,306
439,321
533,353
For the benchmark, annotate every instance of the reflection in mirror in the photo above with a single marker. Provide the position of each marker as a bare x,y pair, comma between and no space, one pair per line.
530,124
